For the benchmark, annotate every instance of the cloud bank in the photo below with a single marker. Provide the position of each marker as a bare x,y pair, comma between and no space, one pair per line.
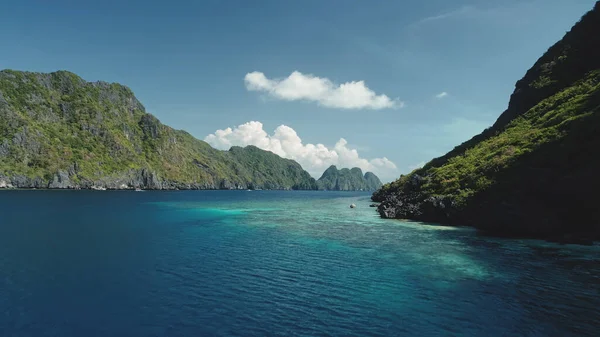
314,158
298,86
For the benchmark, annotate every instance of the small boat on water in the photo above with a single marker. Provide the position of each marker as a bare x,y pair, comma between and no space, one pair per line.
139,190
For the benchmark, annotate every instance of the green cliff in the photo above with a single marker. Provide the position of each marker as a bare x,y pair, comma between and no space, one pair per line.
59,131
535,172
348,180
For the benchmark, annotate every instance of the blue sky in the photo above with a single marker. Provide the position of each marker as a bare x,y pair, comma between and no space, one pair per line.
187,62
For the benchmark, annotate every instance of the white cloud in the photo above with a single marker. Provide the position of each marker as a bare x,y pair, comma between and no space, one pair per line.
314,158
441,95
298,86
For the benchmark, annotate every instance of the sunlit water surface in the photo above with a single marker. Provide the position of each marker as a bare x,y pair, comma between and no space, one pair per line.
259,263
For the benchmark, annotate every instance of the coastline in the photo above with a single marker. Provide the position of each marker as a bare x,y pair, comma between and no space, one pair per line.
4,186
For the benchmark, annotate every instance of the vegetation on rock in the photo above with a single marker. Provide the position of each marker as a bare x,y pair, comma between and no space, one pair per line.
348,180
59,131
535,171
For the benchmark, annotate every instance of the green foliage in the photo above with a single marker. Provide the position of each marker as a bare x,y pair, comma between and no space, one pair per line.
348,180
53,122
477,168
556,101
541,82
267,169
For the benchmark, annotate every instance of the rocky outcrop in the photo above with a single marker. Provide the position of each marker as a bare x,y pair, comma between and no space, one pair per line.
142,179
98,135
534,172
4,184
372,182
61,180
348,180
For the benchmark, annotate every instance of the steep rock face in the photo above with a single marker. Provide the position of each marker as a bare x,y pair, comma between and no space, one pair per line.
269,171
372,181
348,180
59,131
534,172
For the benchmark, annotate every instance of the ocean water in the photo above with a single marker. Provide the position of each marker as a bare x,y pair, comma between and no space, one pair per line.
266,263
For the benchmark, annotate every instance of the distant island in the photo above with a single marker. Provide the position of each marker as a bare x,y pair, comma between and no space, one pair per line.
535,172
59,131
348,180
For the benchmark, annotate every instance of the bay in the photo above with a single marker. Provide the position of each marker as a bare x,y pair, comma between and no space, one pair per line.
288,263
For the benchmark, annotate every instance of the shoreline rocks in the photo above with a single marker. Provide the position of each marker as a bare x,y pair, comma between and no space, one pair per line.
4,184
142,179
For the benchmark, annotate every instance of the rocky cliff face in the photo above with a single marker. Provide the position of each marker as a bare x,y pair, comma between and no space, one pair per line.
534,172
348,180
59,131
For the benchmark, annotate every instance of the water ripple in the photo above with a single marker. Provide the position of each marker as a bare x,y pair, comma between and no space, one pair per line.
275,263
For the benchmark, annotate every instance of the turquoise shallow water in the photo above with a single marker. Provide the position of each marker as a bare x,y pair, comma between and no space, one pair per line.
240,263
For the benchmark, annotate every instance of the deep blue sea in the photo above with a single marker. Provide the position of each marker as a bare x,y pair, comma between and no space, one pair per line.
266,263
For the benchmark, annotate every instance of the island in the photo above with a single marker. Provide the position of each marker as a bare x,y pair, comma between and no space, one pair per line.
58,131
348,180
534,173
